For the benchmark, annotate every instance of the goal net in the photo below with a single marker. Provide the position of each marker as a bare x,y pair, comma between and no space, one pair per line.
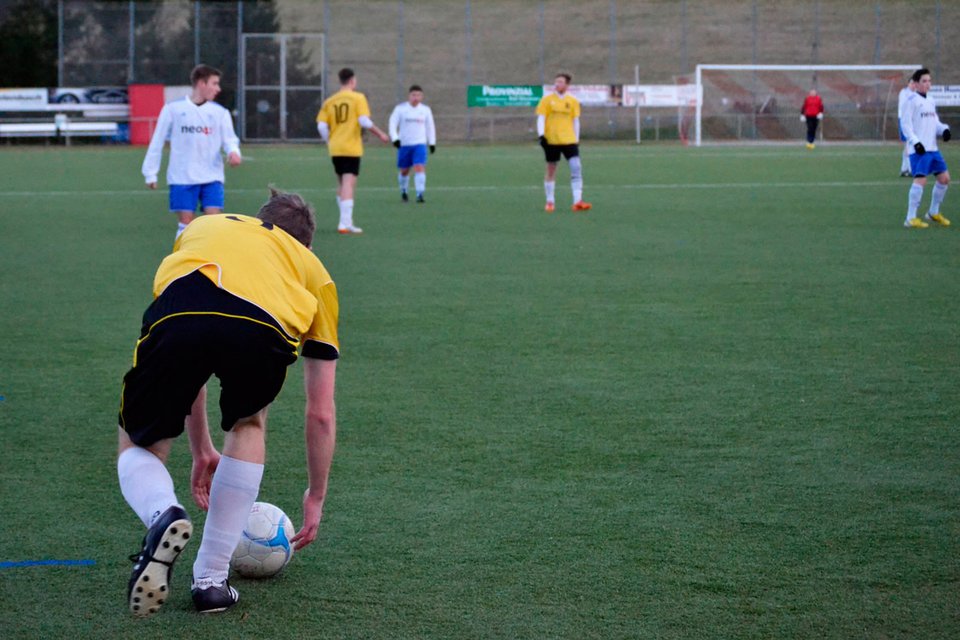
762,102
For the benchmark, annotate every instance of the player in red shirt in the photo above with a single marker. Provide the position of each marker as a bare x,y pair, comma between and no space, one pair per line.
812,114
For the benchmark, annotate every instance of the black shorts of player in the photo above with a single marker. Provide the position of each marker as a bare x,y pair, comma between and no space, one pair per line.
553,151
346,164
194,330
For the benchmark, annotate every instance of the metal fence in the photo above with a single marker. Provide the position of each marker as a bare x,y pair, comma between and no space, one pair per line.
446,45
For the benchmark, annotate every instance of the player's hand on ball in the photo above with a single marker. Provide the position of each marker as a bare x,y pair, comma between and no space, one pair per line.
919,148
947,135
312,512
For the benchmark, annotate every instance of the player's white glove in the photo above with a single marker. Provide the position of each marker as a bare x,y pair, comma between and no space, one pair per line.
803,118
819,116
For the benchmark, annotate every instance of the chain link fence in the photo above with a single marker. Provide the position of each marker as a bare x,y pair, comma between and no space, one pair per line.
447,45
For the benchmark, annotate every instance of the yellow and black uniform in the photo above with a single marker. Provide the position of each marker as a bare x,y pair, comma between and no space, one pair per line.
236,299
559,112
342,112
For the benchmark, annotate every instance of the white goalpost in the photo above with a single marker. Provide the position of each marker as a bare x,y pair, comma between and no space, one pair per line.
738,102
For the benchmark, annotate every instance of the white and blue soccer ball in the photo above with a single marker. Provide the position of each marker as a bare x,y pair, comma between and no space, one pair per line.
265,548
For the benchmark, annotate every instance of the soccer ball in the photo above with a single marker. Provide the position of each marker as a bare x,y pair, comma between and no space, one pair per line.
265,547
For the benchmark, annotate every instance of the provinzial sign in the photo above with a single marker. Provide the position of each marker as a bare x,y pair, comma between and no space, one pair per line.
503,95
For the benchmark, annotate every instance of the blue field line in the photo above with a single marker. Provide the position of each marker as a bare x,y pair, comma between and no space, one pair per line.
16,564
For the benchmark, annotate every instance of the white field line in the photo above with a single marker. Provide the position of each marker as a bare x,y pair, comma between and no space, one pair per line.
594,187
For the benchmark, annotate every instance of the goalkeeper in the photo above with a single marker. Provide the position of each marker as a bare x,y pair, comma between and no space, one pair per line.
812,114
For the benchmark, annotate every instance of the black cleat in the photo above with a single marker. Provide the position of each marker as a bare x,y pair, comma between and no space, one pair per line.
213,597
165,540
906,174
420,198
404,196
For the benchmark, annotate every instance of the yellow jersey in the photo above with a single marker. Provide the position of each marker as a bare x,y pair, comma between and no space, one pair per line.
559,113
342,112
263,265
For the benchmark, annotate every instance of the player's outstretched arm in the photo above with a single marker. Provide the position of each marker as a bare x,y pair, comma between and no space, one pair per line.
320,431
205,455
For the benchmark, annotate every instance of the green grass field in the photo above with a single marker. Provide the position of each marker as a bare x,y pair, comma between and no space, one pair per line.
723,404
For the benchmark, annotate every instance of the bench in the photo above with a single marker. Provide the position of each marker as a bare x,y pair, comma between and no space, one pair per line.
64,128
27,129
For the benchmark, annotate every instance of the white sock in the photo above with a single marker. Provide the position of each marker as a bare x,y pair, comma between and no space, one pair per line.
420,182
346,213
576,185
180,227
939,191
234,490
905,160
145,483
549,188
913,200
404,181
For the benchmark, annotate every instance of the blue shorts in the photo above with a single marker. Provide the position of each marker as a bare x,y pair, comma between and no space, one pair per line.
184,197
929,163
409,156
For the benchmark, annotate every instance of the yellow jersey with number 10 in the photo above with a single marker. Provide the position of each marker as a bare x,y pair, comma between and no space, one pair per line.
559,113
342,112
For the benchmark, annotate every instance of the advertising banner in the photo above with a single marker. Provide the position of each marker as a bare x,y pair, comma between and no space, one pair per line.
593,95
503,95
659,95
22,99
945,95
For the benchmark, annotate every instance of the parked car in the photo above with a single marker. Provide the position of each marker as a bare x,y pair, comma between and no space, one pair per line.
89,95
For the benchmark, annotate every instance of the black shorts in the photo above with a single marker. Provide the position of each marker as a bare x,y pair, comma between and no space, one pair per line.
192,331
346,164
553,151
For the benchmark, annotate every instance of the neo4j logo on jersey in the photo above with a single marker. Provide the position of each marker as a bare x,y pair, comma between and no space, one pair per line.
189,128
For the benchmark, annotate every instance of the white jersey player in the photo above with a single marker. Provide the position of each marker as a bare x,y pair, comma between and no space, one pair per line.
198,130
905,94
921,127
412,131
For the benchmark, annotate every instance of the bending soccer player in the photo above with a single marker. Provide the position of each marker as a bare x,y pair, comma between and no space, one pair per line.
340,122
558,125
921,126
412,131
198,130
237,298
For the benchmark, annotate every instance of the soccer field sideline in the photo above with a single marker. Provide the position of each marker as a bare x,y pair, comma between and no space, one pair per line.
467,188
